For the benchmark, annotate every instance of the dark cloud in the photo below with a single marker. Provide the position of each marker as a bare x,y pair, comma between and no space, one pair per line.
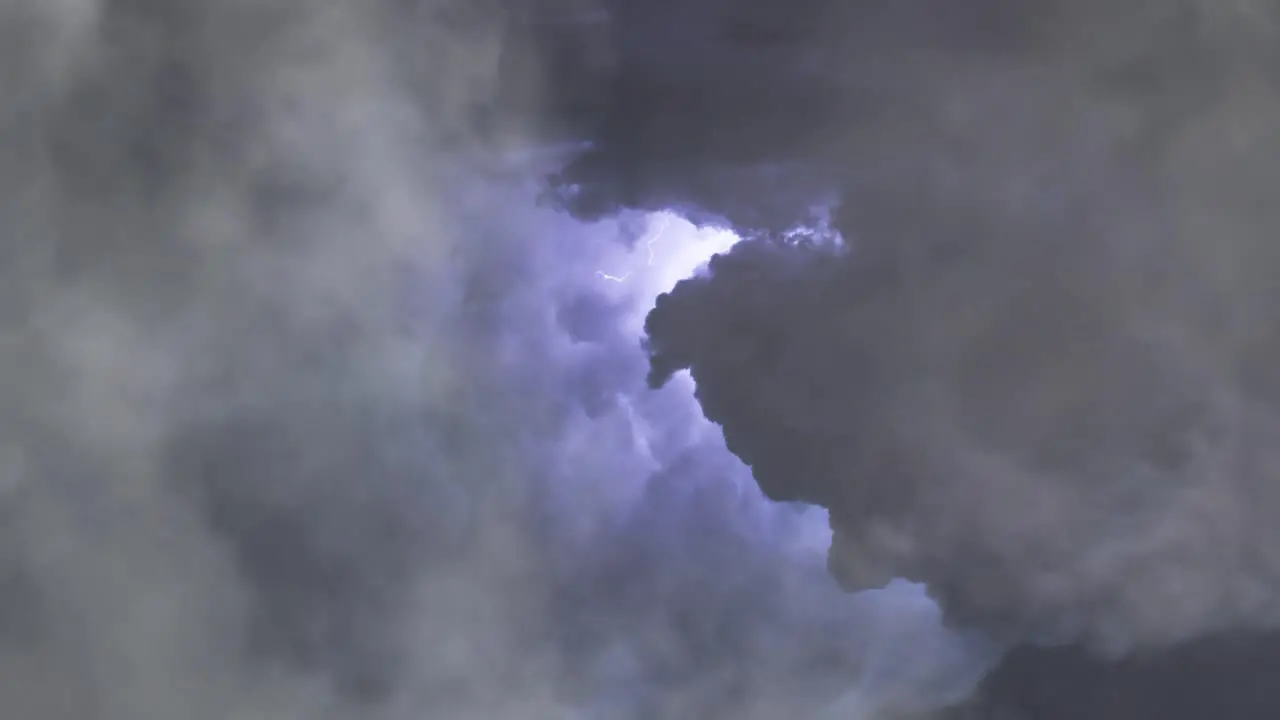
752,111
1036,380
307,410
1036,375
1225,677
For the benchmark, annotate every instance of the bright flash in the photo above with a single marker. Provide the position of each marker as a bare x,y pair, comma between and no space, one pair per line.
666,220
685,249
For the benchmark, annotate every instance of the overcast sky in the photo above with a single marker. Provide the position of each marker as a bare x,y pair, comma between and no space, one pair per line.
668,359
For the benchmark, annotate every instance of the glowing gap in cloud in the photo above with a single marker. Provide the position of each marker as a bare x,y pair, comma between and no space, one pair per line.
913,660
674,249
671,250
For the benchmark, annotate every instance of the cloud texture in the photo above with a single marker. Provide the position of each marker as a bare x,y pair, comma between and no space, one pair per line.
1036,375
1037,379
310,412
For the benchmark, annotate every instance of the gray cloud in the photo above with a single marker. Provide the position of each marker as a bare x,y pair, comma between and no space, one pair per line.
1037,379
309,412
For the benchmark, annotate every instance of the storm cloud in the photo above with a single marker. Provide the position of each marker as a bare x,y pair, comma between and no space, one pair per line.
1003,311
1033,372
336,377
309,410
1036,378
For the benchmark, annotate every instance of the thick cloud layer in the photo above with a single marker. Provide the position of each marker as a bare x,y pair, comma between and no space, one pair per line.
310,412
1225,677
1039,380
1038,374
753,111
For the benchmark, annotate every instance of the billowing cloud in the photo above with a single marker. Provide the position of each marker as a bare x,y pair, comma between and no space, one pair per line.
309,411
1226,676
1037,376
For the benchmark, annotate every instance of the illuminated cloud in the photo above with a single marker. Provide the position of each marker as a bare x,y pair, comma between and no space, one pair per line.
309,411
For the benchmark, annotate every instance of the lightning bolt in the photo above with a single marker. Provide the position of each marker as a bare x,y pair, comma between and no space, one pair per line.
657,236
649,244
